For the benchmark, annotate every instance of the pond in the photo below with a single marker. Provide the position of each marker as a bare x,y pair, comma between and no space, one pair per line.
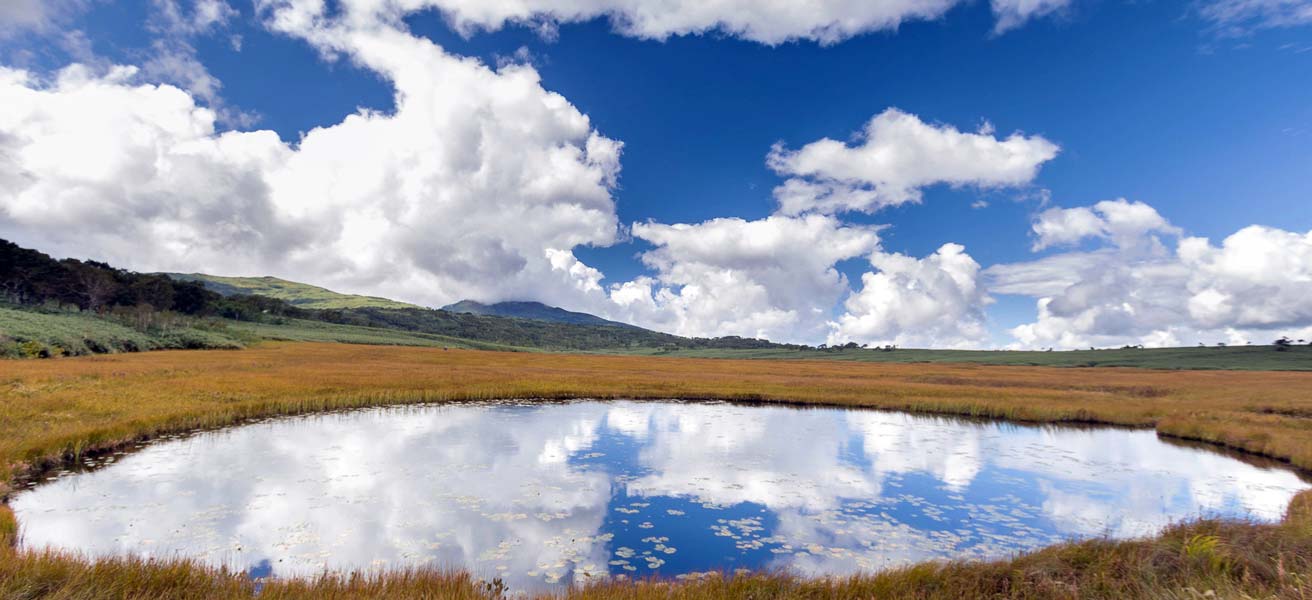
541,495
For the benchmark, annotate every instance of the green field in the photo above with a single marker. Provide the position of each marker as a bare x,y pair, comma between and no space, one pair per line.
293,330
34,334
1248,358
31,334
297,294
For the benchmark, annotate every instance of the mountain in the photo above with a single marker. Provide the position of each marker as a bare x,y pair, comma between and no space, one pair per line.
536,311
301,295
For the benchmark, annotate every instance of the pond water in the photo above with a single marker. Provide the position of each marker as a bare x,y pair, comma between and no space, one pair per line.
542,495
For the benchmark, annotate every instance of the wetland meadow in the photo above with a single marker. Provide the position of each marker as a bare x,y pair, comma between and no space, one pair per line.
296,470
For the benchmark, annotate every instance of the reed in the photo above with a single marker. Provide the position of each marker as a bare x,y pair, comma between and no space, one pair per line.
55,411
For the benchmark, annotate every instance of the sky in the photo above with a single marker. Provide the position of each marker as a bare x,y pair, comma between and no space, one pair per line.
925,173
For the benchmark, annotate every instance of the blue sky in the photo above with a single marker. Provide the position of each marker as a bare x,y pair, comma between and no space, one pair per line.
1206,120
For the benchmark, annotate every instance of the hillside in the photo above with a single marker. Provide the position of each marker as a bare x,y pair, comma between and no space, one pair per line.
533,333
32,333
536,311
301,295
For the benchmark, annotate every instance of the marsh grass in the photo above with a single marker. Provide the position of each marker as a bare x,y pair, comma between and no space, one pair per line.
52,412
1205,559
8,528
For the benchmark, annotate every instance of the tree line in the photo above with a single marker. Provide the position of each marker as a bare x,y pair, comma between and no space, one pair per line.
30,277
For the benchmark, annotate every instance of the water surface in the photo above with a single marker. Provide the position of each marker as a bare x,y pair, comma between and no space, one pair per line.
544,494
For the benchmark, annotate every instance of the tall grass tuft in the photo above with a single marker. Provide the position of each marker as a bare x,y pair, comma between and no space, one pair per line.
8,528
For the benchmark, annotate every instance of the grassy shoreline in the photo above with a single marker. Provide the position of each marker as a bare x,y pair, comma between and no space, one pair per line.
52,411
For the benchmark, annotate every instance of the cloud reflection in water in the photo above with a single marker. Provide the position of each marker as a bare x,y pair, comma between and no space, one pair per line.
547,494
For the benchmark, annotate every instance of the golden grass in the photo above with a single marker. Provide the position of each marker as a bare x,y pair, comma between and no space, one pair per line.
1206,559
51,411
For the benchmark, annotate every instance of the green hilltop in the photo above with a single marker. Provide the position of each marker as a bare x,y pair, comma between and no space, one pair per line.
536,311
301,295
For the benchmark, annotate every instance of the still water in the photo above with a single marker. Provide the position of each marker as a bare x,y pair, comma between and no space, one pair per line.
541,495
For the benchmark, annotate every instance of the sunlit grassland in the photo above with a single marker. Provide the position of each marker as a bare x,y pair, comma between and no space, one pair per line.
52,411
298,294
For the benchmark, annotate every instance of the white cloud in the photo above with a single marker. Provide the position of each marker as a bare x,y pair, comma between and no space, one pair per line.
454,195
896,156
22,13
1126,224
1010,14
481,194
173,58
35,15
1240,17
936,302
204,16
1259,277
481,184
169,57
764,21
1256,286
1063,226
773,277
132,173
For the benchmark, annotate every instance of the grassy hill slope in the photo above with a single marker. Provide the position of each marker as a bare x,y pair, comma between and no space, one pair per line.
26,333
536,311
302,295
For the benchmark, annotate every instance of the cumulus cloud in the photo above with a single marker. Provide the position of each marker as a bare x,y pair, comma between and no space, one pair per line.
480,194
1259,277
469,194
767,22
134,173
773,277
1135,289
479,185
1124,223
936,301
894,158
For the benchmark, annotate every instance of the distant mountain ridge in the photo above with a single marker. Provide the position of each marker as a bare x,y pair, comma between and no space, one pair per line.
536,311
301,295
